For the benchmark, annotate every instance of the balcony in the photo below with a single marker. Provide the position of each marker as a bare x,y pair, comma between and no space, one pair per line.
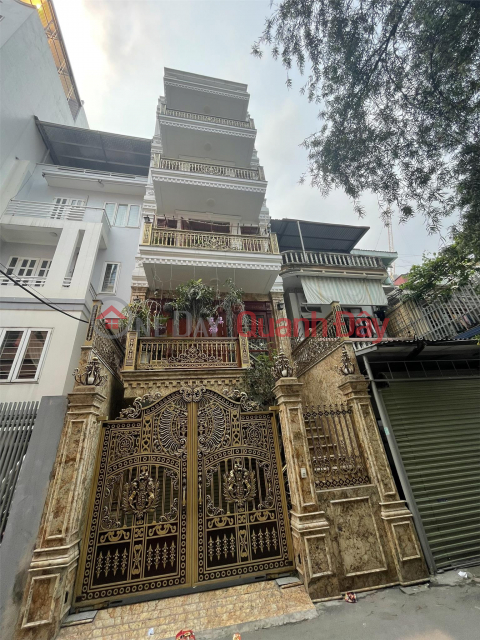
200,117
186,353
185,185
314,258
209,241
22,208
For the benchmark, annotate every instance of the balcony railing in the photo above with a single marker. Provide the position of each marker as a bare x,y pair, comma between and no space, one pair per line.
200,117
186,353
44,210
223,171
209,241
331,259
27,281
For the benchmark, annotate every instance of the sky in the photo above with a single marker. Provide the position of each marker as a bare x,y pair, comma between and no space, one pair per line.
119,48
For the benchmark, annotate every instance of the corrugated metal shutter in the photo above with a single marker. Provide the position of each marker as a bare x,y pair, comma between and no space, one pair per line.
437,428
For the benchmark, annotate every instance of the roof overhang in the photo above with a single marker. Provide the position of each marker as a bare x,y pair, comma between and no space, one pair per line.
88,149
317,236
401,349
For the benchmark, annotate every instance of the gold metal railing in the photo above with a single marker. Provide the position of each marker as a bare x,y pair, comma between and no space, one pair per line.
209,241
186,353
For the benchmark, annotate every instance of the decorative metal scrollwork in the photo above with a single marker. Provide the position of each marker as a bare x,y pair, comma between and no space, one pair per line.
282,367
191,393
241,397
139,404
92,374
141,495
347,368
240,485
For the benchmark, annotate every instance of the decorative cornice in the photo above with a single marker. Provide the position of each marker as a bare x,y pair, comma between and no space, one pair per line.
209,129
209,263
208,183
204,90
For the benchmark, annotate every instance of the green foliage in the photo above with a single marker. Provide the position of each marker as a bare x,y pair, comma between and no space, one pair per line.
232,304
398,86
195,298
259,380
441,275
139,316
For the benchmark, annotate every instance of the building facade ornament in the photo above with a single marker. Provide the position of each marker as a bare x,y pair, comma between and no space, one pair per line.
209,129
138,404
210,183
347,368
282,367
241,396
91,375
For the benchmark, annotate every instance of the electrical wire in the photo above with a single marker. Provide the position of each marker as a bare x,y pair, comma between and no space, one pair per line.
17,284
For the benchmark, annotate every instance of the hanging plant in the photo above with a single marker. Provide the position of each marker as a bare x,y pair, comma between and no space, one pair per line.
194,298
139,316
232,304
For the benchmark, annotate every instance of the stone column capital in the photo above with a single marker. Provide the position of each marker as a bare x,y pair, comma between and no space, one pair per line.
354,386
288,390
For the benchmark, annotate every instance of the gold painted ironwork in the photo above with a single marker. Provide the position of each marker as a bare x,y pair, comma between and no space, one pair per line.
188,490
336,454
209,240
192,353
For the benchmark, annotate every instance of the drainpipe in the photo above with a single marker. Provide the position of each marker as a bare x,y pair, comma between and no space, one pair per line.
402,474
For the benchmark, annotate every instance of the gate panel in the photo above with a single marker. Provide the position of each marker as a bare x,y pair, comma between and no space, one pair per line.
137,530
241,510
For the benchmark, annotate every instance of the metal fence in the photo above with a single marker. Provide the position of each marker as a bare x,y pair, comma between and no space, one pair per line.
335,451
16,425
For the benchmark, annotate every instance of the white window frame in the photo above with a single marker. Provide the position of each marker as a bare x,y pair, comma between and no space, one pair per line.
103,277
17,361
129,205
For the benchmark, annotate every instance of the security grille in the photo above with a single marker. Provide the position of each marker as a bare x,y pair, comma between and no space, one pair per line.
16,425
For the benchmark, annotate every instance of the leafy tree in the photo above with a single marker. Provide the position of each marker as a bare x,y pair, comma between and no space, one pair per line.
438,277
398,86
196,298
259,380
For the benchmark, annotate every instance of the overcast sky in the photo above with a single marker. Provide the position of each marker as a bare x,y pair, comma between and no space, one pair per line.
118,49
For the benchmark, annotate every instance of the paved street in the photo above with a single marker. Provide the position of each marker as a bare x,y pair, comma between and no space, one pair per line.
448,609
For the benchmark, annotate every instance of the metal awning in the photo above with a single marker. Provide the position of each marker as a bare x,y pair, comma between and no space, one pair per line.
87,149
317,236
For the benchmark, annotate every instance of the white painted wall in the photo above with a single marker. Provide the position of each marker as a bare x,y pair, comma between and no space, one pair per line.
30,86
61,358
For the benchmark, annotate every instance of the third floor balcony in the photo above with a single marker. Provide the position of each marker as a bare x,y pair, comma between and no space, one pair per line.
190,185
331,261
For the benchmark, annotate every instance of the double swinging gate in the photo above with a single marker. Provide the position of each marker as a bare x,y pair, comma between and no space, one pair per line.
187,491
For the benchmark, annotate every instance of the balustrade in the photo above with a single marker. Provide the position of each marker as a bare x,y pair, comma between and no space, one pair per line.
210,241
200,117
223,171
186,353
316,258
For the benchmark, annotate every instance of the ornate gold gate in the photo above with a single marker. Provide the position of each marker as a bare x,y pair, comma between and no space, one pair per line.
188,491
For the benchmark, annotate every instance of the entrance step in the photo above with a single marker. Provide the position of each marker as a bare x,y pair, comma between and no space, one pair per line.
210,614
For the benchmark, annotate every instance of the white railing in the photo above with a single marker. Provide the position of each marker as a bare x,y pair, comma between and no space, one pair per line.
44,210
223,171
92,291
94,172
331,259
26,281
200,117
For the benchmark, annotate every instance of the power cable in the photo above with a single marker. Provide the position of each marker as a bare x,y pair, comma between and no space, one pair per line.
17,284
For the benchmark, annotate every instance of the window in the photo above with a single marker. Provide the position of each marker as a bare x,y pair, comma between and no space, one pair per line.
29,271
64,206
21,353
110,276
122,215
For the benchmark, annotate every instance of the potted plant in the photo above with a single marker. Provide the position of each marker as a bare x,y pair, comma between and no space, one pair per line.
232,304
139,316
194,298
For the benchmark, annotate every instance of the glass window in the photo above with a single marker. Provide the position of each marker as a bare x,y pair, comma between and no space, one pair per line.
10,342
110,211
133,215
32,354
121,219
110,277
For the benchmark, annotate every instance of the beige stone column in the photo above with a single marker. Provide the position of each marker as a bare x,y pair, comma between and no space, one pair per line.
52,572
283,343
402,537
310,529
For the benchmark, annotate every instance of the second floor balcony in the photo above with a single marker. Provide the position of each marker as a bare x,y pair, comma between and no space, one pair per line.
207,168
209,241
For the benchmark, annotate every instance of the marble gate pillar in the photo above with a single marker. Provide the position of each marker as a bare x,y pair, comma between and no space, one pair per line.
310,528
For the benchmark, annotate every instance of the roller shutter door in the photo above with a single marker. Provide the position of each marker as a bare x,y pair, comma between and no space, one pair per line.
437,427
